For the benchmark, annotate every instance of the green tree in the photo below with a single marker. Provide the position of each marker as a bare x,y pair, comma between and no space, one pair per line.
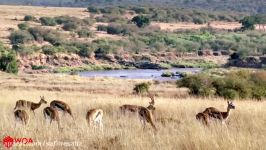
8,61
141,21
248,23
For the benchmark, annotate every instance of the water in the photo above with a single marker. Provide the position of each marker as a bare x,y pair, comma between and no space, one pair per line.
138,73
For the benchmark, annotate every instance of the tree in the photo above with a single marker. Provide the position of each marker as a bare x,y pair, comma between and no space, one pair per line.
8,62
141,21
248,23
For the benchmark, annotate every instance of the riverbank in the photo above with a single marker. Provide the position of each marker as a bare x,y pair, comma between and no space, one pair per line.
63,63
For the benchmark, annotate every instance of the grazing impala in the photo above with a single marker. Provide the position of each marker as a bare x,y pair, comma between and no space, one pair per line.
61,106
135,108
94,118
204,118
29,105
146,116
21,116
51,114
214,114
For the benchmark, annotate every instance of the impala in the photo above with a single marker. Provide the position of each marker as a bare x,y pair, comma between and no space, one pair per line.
29,105
51,114
21,116
135,108
61,106
212,113
203,117
94,118
146,116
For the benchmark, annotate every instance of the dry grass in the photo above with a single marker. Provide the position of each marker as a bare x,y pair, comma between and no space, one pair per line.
175,117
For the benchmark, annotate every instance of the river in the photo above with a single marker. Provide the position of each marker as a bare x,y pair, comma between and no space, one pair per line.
138,73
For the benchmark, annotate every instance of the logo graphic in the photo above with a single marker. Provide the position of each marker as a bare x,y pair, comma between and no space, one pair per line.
8,142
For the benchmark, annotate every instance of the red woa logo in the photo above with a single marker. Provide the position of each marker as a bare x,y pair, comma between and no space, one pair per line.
9,141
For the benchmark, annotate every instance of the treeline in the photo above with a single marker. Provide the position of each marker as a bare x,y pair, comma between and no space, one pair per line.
166,14
250,6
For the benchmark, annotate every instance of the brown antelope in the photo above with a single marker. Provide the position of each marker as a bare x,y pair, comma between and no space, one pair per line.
51,114
21,116
146,116
204,118
29,105
61,106
212,113
135,108
94,118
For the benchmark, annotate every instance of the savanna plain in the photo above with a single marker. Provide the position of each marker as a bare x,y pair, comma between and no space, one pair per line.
174,115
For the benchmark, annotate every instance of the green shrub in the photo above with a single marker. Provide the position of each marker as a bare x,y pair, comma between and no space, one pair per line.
48,21
200,85
34,67
70,26
23,26
25,50
86,50
49,50
141,88
20,37
55,38
141,21
37,33
29,18
168,74
8,62
239,84
84,33
93,9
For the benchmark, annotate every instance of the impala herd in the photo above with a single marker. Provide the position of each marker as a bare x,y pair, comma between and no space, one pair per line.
94,117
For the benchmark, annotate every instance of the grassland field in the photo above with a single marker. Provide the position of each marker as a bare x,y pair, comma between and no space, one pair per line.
174,116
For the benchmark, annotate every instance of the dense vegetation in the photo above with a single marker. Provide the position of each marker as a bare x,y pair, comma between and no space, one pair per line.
8,61
167,14
138,39
237,84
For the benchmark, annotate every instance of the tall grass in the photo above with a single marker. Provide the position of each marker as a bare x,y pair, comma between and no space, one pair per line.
175,118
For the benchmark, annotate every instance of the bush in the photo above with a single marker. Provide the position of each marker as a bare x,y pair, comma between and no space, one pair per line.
53,37
86,50
8,62
198,84
168,74
141,21
37,33
20,37
29,18
141,88
25,50
49,50
23,26
92,9
239,84
48,21
83,33
70,26
34,67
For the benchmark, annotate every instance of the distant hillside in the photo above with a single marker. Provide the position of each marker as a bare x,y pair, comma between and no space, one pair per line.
251,6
